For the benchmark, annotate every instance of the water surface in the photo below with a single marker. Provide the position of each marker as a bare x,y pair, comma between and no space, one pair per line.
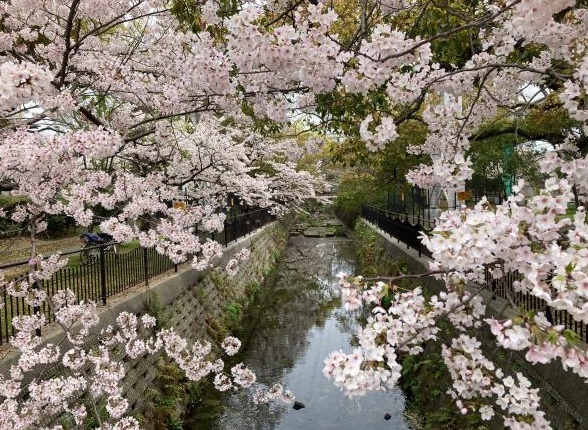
296,321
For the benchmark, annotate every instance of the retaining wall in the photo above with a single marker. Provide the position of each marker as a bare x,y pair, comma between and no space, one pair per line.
188,300
566,388
192,300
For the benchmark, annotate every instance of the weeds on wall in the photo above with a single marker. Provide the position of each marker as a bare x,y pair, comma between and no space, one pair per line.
371,255
425,380
172,395
155,308
169,397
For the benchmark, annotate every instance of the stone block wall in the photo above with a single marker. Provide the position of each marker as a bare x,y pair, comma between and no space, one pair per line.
193,301
188,301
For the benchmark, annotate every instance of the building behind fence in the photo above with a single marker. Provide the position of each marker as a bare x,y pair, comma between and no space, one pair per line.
423,206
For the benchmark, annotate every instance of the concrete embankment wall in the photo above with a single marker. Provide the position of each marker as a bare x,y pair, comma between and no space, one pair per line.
192,302
189,301
565,388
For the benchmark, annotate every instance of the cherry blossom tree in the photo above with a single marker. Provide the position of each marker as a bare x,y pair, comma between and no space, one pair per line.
92,126
119,105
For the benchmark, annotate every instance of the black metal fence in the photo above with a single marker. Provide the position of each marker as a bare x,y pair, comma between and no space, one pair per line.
110,273
503,288
398,226
413,203
423,206
237,226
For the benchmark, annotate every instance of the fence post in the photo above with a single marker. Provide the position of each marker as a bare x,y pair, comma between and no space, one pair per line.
412,197
145,267
37,309
102,275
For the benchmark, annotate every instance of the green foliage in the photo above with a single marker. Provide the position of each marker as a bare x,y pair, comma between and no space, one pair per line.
155,308
439,17
425,380
233,313
189,14
96,413
59,225
369,177
264,126
504,147
221,282
495,161
371,255
252,289
354,191
346,111
168,397
7,204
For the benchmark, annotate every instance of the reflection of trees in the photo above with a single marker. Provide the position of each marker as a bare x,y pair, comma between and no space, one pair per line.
347,321
300,295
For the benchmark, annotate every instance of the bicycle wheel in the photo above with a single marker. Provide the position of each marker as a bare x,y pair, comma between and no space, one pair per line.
89,255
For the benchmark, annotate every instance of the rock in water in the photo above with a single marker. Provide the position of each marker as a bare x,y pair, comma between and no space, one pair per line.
298,405
387,416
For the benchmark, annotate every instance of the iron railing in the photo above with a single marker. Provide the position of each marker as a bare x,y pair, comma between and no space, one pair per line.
110,273
423,206
503,288
399,226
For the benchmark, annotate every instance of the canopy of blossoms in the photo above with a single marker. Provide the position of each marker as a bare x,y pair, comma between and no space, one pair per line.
116,107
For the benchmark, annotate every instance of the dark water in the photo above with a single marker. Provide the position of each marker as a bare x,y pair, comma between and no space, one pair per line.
297,321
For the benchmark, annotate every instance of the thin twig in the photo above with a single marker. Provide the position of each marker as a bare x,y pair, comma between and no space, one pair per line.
391,279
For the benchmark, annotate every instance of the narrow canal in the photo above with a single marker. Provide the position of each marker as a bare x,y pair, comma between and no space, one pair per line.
296,321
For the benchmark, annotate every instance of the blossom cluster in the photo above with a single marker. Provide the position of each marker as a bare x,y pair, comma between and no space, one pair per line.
96,374
478,385
401,328
475,377
111,110
232,267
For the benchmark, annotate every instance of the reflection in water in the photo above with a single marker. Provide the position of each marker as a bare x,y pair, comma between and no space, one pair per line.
297,320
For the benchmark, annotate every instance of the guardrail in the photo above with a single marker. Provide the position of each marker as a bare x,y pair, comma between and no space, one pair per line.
399,226
110,273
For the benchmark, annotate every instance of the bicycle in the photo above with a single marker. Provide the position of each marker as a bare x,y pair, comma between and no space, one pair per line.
90,252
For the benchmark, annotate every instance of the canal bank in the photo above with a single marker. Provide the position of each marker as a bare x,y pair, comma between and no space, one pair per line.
425,377
199,305
294,323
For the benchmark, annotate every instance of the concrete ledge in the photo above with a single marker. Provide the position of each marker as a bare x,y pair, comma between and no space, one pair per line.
566,388
167,287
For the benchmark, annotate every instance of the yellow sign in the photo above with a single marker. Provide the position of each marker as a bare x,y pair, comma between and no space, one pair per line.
464,195
180,204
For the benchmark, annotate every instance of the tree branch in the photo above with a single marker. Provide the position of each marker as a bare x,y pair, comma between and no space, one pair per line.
67,37
391,279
